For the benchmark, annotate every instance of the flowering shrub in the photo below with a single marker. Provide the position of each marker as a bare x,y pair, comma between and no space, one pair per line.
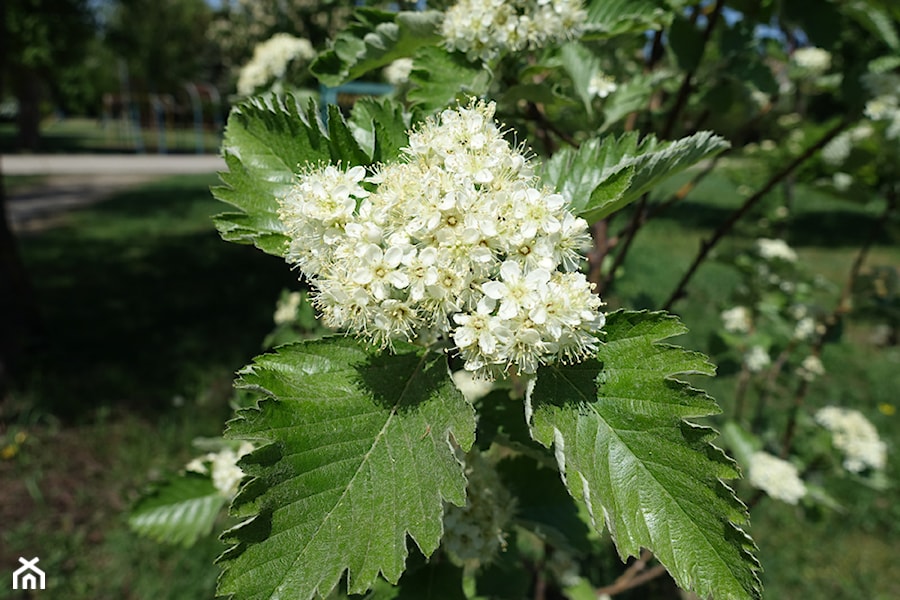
271,60
465,394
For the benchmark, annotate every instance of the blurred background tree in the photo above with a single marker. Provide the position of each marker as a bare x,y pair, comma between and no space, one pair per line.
42,39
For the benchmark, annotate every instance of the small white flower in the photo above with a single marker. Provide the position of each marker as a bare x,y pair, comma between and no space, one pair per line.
270,61
226,475
601,85
811,368
286,311
805,328
757,359
776,477
737,319
842,181
485,30
815,60
397,73
855,437
770,249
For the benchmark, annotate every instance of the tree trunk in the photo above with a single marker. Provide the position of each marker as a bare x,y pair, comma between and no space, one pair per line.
20,323
27,89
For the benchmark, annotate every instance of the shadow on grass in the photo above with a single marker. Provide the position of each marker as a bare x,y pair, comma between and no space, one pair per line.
142,301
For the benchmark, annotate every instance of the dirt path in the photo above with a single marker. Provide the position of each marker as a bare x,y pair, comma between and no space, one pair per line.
69,182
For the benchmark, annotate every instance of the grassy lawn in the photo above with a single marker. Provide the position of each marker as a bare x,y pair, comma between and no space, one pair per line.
148,313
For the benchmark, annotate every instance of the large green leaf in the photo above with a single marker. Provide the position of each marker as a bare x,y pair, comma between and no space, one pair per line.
605,174
617,425
355,452
381,128
374,39
179,512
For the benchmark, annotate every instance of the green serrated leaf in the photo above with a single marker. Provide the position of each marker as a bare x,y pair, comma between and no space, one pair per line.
576,173
381,128
269,139
609,195
266,140
343,143
374,39
632,95
605,174
179,512
618,431
440,78
355,452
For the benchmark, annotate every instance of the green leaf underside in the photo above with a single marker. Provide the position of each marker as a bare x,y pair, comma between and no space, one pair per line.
180,512
374,39
605,174
619,435
354,452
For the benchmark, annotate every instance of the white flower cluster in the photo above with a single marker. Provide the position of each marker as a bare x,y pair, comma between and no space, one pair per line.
484,29
805,328
226,475
885,106
455,240
776,249
756,359
812,59
776,477
855,437
737,319
838,150
475,532
270,61
811,368
601,85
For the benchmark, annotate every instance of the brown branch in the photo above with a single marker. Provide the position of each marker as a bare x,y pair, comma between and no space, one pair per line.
634,576
840,310
749,203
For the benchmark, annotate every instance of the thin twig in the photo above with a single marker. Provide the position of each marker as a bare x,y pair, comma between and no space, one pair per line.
749,203
634,576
